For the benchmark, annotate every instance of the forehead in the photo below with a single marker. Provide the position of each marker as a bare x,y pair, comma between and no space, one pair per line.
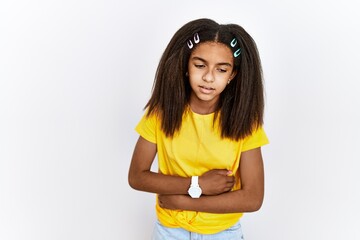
213,50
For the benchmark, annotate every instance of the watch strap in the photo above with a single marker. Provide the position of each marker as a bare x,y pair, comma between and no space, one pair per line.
194,181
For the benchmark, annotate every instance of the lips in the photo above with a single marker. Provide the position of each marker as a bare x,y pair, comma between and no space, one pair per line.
206,90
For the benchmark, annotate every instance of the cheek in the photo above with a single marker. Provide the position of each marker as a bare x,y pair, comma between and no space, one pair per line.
222,78
222,87
222,82
194,76
193,82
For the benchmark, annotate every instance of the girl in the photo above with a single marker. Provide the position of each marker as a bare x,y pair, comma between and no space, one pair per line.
204,121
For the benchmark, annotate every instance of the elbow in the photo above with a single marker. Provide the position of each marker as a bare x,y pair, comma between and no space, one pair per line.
133,183
254,202
255,205
138,180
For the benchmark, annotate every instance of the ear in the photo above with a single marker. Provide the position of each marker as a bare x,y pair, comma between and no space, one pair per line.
233,74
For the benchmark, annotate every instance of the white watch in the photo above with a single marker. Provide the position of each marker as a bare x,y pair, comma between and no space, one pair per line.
194,190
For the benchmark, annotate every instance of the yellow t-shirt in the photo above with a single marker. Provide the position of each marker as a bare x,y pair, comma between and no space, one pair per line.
194,150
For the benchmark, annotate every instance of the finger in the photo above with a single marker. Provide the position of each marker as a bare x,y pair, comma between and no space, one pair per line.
229,185
224,172
230,179
227,189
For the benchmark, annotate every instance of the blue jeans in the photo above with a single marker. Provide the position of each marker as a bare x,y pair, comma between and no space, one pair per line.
164,233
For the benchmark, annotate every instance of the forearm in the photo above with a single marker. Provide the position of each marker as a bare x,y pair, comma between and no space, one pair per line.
158,183
230,202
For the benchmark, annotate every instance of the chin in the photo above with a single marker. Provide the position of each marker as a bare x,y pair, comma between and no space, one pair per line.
206,98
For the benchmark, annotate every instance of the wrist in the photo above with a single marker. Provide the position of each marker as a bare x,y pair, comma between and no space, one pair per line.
194,189
200,182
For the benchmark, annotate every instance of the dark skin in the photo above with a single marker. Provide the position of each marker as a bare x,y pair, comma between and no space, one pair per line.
172,190
210,69
141,178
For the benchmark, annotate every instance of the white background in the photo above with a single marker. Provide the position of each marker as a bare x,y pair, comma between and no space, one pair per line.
75,75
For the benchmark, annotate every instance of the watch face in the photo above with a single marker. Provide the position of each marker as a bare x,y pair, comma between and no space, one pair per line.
195,192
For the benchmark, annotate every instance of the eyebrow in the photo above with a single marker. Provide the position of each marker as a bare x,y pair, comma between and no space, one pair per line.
203,60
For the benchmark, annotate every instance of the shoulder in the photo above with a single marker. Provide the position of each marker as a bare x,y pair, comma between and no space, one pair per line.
148,126
256,139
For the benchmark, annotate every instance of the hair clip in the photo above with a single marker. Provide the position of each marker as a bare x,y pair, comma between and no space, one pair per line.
196,38
233,44
237,52
190,44
196,41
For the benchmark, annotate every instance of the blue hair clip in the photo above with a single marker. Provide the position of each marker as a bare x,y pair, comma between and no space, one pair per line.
233,44
237,52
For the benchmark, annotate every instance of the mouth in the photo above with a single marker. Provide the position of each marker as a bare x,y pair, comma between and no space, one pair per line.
206,90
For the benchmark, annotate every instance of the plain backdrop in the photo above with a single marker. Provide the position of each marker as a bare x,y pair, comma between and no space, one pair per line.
75,76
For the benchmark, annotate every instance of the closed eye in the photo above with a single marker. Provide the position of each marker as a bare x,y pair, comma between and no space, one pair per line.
199,65
222,70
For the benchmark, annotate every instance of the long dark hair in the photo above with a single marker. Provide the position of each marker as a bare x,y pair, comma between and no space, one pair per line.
241,105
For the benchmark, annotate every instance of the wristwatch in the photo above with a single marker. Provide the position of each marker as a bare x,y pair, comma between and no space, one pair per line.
194,190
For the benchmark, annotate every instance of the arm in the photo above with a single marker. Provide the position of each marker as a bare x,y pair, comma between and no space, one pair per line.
247,199
141,178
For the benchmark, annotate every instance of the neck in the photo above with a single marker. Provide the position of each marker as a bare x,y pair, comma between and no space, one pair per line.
202,107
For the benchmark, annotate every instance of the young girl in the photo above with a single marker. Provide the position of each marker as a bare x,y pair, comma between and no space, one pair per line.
204,122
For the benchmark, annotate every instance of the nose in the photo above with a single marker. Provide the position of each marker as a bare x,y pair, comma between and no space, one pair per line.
209,77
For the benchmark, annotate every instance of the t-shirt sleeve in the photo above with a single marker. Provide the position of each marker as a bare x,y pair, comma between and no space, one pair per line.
255,140
147,127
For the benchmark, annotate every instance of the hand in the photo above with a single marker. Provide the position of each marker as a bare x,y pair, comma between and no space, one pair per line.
216,181
172,201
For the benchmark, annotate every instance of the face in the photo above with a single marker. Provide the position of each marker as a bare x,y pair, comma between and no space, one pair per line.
210,68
